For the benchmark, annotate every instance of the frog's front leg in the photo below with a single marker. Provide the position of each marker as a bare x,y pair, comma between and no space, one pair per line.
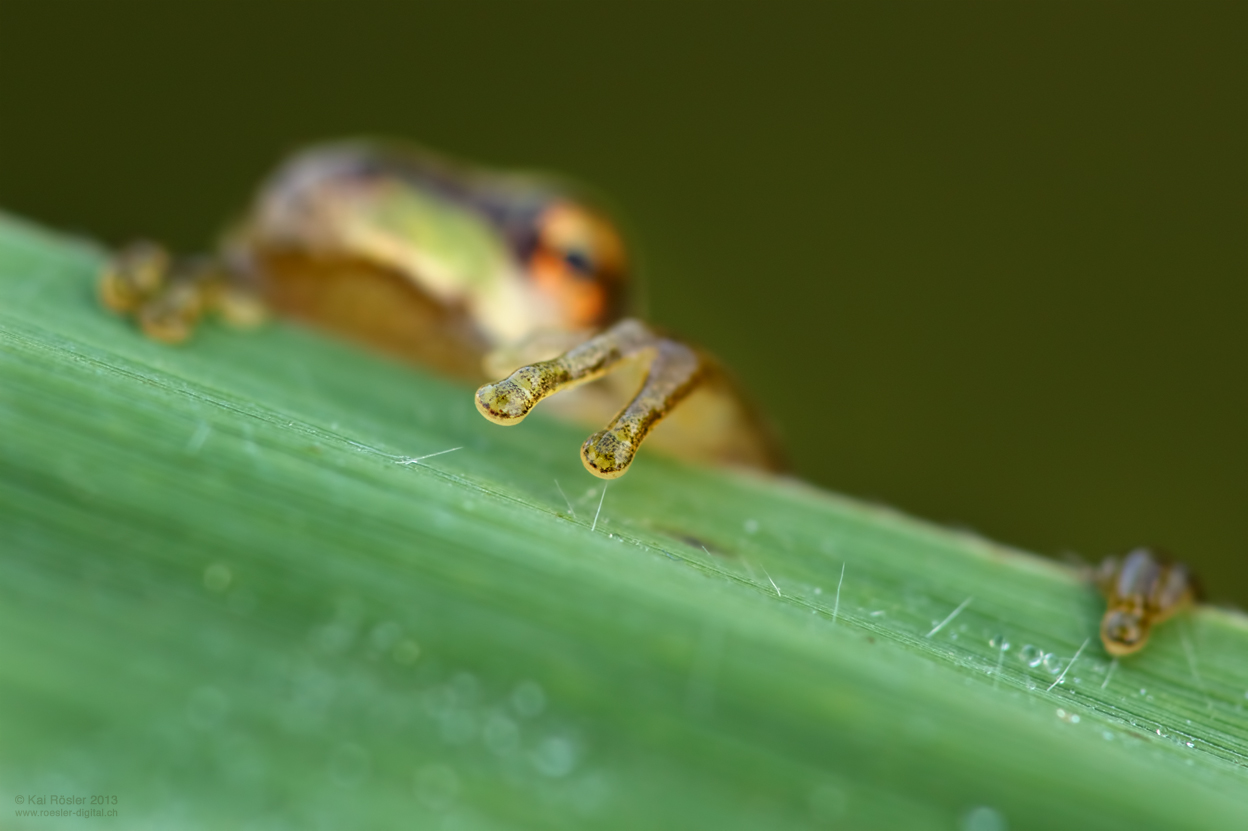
675,370
169,296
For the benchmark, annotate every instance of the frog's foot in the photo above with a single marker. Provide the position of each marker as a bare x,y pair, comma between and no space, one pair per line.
169,296
675,370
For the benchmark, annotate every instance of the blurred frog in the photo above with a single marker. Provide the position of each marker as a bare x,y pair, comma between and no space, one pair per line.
1141,589
476,273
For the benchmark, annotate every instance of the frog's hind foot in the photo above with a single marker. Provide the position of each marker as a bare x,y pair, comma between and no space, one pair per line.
673,371
169,296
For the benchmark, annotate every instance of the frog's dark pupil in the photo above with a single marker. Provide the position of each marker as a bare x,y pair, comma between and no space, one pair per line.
579,261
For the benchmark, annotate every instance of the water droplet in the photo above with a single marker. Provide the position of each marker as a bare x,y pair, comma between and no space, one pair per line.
385,635
1143,691
437,786
999,642
465,688
217,577
406,652
983,818
1074,718
555,757
1107,736
458,727
207,708
1052,663
1191,744
529,700
1031,655
502,735
349,765
751,526
818,590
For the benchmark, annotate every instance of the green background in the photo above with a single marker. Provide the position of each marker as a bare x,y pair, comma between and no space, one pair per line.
984,263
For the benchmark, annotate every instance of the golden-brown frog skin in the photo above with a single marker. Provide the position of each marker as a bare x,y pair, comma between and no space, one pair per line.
476,273
1142,589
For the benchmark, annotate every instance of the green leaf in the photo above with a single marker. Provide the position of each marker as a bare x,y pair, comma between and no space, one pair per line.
232,594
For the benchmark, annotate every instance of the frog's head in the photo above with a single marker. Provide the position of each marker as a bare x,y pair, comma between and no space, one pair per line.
576,262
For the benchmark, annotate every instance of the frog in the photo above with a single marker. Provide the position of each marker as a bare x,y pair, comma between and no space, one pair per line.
1142,588
518,282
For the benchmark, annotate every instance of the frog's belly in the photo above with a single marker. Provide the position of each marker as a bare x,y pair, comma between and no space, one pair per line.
374,306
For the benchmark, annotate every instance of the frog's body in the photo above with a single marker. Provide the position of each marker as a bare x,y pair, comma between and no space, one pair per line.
469,272
1142,589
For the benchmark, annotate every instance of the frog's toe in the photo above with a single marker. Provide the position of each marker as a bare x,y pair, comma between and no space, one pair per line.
511,399
608,453
171,317
134,275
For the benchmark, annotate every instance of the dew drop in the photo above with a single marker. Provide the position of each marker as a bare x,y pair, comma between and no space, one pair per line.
465,688
217,577
528,699
458,727
385,635
502,736
983,818
405,652
1191,744
1052,663
1031,655
555,757
999,642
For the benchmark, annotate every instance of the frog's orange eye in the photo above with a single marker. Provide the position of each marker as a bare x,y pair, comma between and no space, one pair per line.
578,262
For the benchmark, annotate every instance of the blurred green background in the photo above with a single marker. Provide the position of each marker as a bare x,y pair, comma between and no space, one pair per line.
987,263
